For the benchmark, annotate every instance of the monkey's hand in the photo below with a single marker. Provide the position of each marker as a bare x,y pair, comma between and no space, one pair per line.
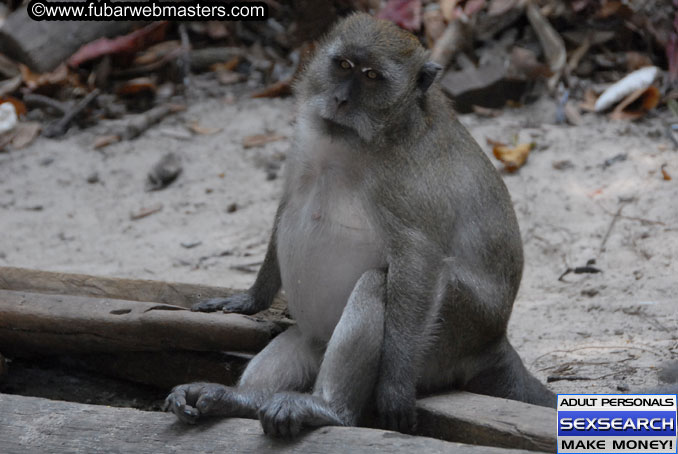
189,402
241,303
396,405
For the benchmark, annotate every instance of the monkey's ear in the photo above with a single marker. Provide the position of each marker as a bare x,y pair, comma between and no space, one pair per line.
427,74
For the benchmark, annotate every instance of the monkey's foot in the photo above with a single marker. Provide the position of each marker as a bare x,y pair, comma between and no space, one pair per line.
190,402
286,413
395,411
241,303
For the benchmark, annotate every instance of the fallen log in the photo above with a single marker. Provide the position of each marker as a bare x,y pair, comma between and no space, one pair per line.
43,45
491,421
184,295
33,425
54,324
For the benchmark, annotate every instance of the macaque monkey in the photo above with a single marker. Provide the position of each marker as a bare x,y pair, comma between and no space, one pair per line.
396,244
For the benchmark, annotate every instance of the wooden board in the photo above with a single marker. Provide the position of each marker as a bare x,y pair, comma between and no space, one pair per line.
491,421
30,425
178,294
64,324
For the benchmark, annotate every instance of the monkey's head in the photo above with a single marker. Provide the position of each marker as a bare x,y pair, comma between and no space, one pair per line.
366,74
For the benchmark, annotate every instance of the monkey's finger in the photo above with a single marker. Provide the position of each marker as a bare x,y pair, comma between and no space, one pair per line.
188,414
209,400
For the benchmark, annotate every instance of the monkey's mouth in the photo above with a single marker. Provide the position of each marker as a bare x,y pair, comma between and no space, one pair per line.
332,126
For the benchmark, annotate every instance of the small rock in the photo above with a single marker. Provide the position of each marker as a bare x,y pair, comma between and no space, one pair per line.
232,208
563,165
93,178
590,292
191,244
164,172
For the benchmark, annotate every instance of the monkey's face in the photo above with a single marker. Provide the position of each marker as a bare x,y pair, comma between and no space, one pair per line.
364,76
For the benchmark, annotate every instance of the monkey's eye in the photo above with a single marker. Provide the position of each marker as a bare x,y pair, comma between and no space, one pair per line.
345,64
372,74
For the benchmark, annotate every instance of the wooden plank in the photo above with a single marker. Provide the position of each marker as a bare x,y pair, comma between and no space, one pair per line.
30,425
184,295
55,324
475,419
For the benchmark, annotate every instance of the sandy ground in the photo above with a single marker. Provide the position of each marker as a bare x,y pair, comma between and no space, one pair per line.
612,329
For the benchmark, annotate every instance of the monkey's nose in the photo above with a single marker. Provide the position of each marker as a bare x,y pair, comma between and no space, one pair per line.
340,101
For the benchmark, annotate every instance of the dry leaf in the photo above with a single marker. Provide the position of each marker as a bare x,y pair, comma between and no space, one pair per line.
10,85
486,111
216,29
513,157
196,128
136,86
25,133
156,52
261,139
473,6
229,65
229,77
59,76
636,60
19,106
572,114
434,24
280,88
665,174
589,101
499,7
405,13
494,143
126,44
143,212
448,7
104,141
637,104
526,63
551,42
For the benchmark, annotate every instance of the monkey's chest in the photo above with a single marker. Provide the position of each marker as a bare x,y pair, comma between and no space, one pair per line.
325,243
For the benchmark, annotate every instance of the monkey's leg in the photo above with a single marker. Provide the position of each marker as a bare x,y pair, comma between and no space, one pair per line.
348,371
506,376
289,363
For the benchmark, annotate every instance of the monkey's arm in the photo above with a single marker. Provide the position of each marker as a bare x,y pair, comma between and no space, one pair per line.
411,307
260,295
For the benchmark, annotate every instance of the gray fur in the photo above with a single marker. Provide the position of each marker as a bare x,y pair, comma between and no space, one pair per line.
397,246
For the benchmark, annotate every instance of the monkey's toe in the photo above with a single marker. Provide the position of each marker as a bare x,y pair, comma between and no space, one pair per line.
176,403
280,416
241,303
210,305
285,414
398,416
